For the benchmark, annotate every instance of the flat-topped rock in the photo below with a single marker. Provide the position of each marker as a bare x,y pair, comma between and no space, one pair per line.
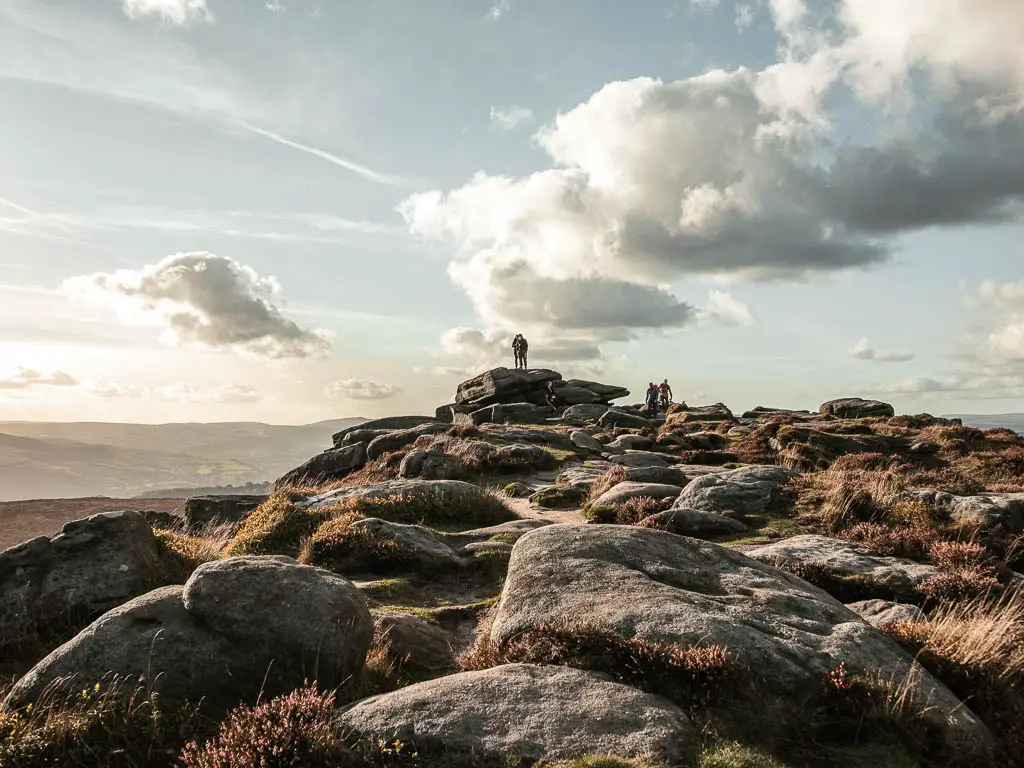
884,577
746,490
693,522
987,510
211,510
503,385
625,491
526,712
332,464
857,408
388,422
882,613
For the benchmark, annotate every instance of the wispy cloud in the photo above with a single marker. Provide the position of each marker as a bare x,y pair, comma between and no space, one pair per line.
509,118
24,378
350,165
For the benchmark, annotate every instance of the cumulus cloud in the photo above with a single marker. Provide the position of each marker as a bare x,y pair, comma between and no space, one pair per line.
180,12
498,9
202,298
24,378
484,349
862,350
362,389
744,16
509,118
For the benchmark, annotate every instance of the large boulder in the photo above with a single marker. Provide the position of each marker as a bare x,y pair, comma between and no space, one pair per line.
388,423
857,408
430,465
746,490
211,510
761,412
512,413
526,712
504,385
583,413
866,571
586,442
625,491
681,414
882,613
433,490
238,629
614,417
576,395
658,587
605,392
421,650
364,436
91,566
332,464
398,439
988,510
631,443
640,459
694,522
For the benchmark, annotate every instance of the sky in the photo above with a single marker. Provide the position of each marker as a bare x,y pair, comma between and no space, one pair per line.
295,210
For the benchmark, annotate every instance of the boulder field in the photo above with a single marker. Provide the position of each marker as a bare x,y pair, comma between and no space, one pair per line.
507,584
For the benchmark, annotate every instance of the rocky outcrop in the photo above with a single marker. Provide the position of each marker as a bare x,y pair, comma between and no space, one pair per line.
332,464
857,408
430,465
91,566
507,386
694,522
583,413
761,412
639,459
512,413
236,629
987,510
813,449
658,587
882,613
398,439
526,712
387,423
631,443
867,571
746,491
628,490
213,510
434,490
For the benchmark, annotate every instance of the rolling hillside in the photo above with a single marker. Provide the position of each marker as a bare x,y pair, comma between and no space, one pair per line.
61,460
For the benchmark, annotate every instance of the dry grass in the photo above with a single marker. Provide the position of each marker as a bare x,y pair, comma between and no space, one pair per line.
182,553
977,649
607,481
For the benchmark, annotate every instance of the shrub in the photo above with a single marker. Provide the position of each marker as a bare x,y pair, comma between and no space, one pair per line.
339,547
437,508
708,458
98,728
736,756
689,676
910,541
608,480
293,730
629,512
559,497
276,527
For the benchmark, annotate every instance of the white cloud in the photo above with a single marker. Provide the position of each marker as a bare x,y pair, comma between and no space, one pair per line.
722,307
704,5
24,378
744,16
276,5
362,389
509,118
114,389
498,9
205,299
862,350
180,12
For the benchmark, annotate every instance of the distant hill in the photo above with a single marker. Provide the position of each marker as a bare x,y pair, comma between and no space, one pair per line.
1014,421
50,460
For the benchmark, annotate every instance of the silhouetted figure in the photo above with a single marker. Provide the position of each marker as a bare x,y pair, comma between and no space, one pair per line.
550,397
524,347
517,349
666,394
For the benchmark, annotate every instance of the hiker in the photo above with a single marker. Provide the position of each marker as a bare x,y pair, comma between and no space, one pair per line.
666,394
549,395
651,402
524,347
517,348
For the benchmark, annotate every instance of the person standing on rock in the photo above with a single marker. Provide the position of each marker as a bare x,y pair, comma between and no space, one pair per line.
651,401
666,394
516,342
524,347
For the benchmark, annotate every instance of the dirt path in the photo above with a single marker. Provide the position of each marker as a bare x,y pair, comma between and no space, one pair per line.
525,509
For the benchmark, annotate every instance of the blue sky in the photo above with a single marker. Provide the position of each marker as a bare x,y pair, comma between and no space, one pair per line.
296,210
